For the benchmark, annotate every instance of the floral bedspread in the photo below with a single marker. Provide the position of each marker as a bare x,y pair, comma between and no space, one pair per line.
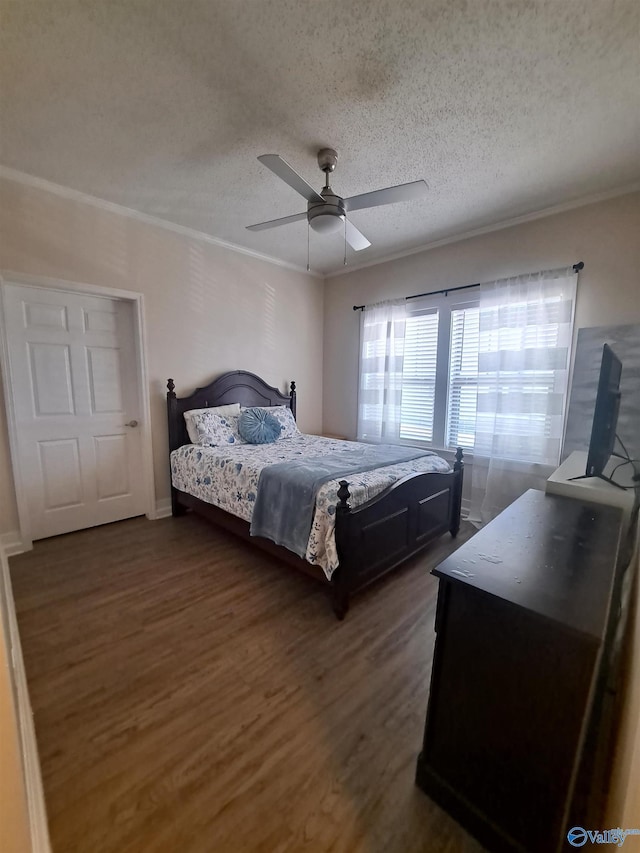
228,478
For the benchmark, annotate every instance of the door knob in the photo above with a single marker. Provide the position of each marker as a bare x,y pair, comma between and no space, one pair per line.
132,424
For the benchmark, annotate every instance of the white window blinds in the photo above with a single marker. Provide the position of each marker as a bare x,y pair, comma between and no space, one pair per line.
419,376
463,377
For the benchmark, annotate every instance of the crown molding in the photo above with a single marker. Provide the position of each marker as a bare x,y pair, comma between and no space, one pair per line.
497,226
76,195
111,207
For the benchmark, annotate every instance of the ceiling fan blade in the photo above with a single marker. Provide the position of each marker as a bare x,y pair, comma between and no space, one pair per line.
273,223
355,238
284,171
390,195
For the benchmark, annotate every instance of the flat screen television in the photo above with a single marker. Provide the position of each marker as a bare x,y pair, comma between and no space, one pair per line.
605,416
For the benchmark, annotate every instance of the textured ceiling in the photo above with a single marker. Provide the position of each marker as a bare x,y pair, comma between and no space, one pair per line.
504,107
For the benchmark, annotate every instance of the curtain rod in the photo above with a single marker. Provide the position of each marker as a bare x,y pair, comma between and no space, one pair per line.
576,268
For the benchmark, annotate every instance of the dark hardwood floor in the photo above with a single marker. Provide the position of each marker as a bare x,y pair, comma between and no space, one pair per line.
190,694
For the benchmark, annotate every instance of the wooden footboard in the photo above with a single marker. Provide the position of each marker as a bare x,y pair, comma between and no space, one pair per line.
377,536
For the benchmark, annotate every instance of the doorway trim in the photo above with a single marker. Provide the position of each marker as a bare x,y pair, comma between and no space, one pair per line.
137,302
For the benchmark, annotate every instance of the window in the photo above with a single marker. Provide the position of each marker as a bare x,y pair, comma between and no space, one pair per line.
491,379
381,358
419,376
523,360
463,377
440,373
477,412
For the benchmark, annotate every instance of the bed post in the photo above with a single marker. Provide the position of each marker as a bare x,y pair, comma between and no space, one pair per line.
172,415
339,582
292,398
456,497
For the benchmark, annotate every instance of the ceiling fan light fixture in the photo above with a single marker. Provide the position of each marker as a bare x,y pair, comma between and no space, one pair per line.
325,222
327,216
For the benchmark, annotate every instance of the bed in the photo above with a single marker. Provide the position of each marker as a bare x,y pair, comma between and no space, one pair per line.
355,537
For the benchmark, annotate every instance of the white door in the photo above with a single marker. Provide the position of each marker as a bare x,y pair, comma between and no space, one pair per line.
74,385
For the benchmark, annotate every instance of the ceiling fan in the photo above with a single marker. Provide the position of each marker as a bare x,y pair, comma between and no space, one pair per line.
327,212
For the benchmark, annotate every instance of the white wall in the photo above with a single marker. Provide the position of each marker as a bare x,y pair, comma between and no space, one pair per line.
208,309
606,236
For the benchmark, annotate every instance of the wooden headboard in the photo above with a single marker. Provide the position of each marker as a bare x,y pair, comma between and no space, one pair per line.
236,386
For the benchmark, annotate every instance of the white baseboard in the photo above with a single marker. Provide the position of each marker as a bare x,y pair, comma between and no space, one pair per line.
29,748
12,544
163,508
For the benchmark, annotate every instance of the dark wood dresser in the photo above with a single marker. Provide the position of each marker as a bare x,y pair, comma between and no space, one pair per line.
520,709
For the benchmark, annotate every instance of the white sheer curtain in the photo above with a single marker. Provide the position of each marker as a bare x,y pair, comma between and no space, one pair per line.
526,327
382,331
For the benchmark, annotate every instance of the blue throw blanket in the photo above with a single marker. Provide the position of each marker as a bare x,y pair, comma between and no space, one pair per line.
285,502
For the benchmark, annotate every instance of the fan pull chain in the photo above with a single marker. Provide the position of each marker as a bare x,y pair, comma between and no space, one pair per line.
308,239
345,242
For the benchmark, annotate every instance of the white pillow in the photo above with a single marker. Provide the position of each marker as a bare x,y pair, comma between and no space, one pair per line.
230,409
217,430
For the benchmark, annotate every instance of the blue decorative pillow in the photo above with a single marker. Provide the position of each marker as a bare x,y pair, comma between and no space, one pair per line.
257,426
